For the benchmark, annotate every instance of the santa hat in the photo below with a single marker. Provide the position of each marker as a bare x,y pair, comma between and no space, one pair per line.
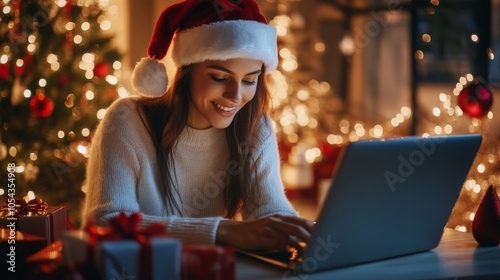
201,30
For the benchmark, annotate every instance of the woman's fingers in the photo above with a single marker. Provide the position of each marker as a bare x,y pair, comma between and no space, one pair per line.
289,229
273,232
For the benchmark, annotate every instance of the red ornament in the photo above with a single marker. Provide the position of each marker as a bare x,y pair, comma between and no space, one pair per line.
102,69
486,223
475,99
41,106
4,71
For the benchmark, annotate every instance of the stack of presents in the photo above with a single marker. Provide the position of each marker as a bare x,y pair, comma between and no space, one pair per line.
36,245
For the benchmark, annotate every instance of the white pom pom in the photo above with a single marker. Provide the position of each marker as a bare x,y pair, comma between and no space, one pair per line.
150,77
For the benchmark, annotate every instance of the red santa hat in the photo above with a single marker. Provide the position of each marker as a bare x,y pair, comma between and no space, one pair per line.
201,30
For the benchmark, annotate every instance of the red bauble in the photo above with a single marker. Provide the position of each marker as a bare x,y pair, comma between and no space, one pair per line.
102,69
475,99
486,223
41,106
4,71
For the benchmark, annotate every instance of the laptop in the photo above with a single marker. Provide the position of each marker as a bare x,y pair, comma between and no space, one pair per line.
387,198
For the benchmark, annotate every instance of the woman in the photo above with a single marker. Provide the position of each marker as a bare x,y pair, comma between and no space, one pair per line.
203,155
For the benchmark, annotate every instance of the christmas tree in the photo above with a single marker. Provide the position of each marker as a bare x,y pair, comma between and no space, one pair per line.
58,73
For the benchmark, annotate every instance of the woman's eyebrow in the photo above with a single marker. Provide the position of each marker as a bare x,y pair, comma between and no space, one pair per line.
231,72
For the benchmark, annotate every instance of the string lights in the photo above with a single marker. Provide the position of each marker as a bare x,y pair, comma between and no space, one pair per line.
58,73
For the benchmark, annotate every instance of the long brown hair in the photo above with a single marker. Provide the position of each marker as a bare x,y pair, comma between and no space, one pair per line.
167,116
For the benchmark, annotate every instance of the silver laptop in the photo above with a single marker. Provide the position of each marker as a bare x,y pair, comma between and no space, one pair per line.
387,198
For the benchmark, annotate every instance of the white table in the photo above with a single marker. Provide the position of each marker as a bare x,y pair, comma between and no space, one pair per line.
456,257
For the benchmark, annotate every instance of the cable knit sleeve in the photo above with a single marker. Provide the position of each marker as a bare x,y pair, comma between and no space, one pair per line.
268,188
122,176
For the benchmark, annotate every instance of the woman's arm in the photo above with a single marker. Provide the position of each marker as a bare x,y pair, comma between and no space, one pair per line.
270,222
121,176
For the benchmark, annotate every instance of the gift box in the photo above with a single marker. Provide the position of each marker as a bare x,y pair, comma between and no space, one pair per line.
46,264
124,254
209,262
35,217
15,247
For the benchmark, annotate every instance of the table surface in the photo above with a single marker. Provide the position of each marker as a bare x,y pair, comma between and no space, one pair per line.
457,256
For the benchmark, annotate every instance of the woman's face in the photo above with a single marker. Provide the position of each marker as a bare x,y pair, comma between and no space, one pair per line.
219,89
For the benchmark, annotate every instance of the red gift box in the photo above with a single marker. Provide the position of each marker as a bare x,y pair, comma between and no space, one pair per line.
208,262
15,247
46,263
36,218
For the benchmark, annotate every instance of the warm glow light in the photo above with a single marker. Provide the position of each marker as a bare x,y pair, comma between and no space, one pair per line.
31,47
55,66
334,139
426,38
12,151
70,25
85,132
463,80
474,38
89,74
285,53
319,47
60,134
27,93
33,156
42,82
436,111
303,94
481,168
117,65
78,39
472,216
438,130
85,26
112,80
2,191
394,122
31,195
3,59
477,188
281,31
289,64
122,92
89,95
469,77
419,54
448,129
461,228
378,131
82,149
51,58
101,113
19,62
61,3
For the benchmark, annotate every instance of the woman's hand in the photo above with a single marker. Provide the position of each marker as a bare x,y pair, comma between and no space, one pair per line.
277,232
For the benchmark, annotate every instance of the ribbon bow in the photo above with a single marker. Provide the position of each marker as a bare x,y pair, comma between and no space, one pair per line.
127,227
21,207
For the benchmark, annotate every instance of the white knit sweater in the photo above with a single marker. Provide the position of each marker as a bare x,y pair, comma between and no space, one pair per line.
122,175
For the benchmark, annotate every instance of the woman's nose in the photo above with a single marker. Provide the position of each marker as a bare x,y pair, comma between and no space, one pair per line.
234,92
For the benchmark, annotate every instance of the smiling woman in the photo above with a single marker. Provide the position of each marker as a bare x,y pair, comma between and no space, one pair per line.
203,152
220,89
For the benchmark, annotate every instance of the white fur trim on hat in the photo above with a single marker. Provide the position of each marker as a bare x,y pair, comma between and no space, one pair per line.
225,40
150,77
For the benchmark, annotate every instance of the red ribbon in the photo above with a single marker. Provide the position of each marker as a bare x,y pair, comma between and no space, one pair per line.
127,227
21,207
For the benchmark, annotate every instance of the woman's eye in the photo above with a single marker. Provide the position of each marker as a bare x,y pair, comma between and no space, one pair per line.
220,80
249,83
